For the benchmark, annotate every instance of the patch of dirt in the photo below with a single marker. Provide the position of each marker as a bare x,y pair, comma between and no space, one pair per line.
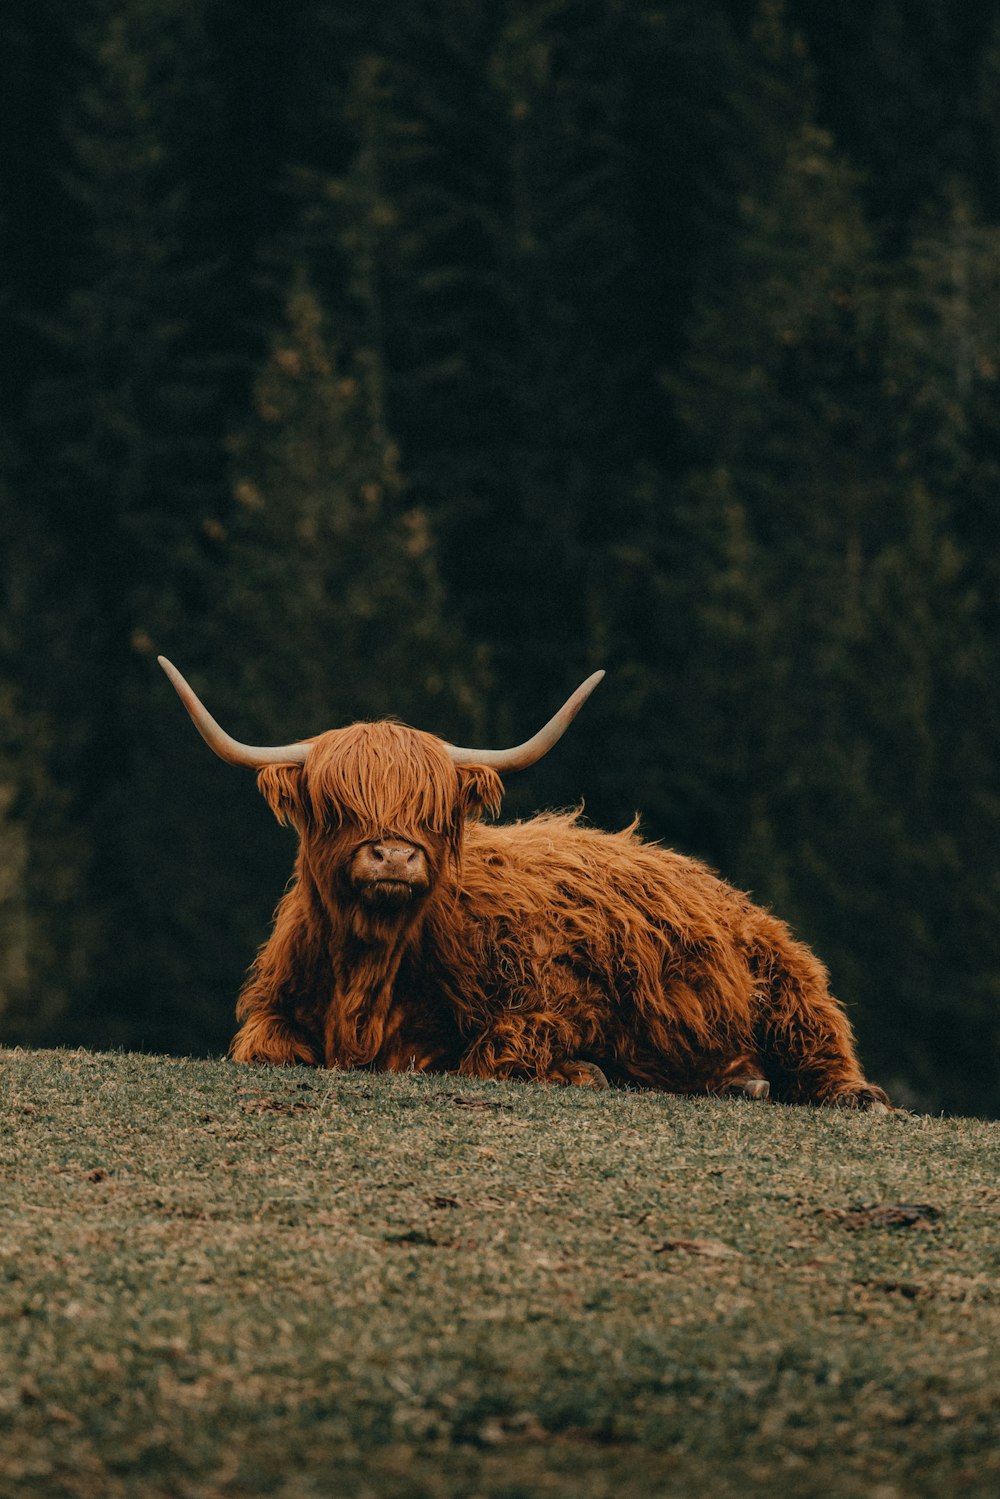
709,1249
885,1215
909,1290
465,1102
269,1103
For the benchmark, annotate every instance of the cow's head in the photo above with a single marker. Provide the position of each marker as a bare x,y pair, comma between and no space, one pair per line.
379,807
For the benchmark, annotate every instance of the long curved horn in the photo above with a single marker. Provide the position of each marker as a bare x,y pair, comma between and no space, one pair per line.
226,748
523,755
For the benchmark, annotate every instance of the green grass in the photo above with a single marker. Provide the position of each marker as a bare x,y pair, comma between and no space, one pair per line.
233,1281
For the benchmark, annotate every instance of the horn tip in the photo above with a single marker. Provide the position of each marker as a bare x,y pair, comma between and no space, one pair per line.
173,674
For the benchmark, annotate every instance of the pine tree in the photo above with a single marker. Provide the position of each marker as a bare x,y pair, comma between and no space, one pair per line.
332,588
920,60
837,647
509,234
119,441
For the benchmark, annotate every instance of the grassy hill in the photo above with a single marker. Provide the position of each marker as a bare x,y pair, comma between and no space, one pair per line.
234,1281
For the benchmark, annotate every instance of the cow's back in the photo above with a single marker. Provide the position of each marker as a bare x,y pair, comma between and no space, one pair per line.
645,940
556,866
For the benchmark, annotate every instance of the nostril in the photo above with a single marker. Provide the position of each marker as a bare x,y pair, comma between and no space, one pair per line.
397,855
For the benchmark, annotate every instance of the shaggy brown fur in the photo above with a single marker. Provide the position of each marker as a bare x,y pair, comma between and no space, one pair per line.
531,950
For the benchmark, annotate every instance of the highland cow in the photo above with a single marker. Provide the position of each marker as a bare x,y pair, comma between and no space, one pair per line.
415,936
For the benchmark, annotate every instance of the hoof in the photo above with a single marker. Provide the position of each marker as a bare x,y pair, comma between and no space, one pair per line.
747,1087
868,1098
579,1075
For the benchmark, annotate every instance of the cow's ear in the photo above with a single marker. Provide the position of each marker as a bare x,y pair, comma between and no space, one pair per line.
281,786
480,790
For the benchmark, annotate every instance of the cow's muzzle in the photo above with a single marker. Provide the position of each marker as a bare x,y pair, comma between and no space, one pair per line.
390,872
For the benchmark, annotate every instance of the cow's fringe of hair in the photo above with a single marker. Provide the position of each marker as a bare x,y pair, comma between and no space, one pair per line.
382,778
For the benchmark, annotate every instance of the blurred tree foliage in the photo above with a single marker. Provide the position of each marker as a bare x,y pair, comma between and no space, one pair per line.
416,359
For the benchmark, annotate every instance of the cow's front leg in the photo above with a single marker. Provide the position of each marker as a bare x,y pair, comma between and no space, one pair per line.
545,1046
280,989
271,1038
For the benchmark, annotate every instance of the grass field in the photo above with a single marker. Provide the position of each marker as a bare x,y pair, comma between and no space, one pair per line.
234,1281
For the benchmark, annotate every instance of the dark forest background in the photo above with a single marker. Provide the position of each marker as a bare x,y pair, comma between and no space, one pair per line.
417,358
